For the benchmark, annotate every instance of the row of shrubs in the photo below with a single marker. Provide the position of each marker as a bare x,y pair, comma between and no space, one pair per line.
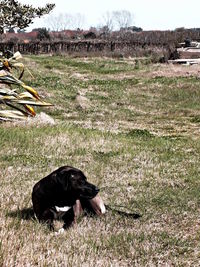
92,48
158,45
143,38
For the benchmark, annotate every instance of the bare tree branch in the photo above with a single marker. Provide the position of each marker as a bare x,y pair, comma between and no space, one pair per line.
122,19
108,21
64,21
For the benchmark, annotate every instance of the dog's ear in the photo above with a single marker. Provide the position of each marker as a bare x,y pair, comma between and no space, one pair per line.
66,185
65,179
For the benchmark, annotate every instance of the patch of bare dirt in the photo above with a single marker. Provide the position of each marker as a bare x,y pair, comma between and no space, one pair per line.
171,70
161,70
79,76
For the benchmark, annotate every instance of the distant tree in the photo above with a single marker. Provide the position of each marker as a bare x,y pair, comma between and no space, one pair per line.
43,34
104,32
180,29
135,29
93,29
122,18
90,35
58,22
14,15
104,29
130,30
65,21
78,20
116,20
108,21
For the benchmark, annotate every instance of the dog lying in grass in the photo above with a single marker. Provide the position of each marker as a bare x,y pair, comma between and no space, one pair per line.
64,194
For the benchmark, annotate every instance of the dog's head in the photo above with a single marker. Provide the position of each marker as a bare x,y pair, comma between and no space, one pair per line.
81,187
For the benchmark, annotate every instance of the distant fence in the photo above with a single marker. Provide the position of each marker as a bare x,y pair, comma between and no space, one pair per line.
56,47
84,47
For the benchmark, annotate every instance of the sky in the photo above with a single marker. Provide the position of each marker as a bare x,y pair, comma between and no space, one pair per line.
148,14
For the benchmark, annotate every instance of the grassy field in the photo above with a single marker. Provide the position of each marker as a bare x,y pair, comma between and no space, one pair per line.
134,130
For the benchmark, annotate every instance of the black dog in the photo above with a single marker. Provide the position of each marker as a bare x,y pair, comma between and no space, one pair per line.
62,194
